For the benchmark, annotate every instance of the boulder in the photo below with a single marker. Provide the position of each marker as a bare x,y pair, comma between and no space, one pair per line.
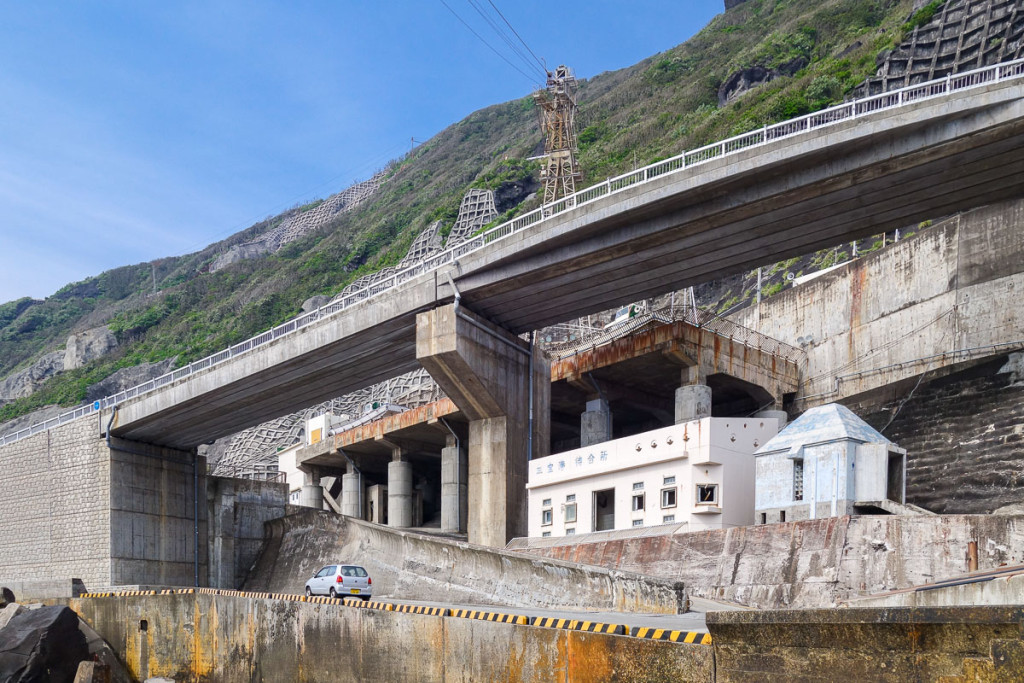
24,383
42,645
8,612
87,346
125,378
315,302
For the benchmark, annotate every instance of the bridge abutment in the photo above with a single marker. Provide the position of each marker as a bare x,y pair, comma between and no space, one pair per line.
487,371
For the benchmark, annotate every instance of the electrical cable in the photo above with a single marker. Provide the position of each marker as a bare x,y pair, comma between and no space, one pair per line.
539,60
504,36
484,41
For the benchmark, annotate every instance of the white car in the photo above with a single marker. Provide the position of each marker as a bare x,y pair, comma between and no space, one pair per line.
337,580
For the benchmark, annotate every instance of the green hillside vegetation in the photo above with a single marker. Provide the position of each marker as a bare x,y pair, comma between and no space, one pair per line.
176,308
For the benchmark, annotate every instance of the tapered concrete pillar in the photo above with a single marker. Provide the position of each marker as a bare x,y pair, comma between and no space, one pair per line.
487,371
596,423
399,494
351,486
312,493
693,402
454,486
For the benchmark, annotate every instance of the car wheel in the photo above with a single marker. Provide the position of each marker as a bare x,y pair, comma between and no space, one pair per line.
366,598
308,592
334,593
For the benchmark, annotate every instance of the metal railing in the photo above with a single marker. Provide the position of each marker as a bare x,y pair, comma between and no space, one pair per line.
681,162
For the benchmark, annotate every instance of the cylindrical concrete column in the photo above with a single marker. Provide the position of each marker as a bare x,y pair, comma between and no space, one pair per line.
399,493
596,423
312,496
350,486
779,415
693,402
454,479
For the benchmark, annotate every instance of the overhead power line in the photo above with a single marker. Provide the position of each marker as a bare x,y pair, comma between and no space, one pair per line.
483,40
540,62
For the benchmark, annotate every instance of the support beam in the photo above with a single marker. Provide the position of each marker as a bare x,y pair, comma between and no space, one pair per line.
596,423
487,371
312,494
454,484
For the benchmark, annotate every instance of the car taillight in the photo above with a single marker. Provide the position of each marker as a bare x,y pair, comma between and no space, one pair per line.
340,579
369,582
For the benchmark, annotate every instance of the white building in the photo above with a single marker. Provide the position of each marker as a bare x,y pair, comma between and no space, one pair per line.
700,473
824,464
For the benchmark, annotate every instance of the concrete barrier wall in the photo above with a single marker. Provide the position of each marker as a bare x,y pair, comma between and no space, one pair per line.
416,566
812,563
210,638
952,645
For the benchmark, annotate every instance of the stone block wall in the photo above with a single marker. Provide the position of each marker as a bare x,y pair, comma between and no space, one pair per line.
55,506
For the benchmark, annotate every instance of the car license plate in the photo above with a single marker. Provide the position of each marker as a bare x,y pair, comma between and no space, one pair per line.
355,591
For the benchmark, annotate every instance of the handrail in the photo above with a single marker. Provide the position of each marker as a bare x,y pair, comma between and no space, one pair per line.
737,143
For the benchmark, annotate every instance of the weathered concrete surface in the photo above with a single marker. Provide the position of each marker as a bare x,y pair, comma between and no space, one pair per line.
924,305
237,509
218,638
490,374
418,567
1003,586
784,198
813,563
899,644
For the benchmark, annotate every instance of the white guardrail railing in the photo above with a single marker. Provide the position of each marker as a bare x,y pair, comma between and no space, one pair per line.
696,157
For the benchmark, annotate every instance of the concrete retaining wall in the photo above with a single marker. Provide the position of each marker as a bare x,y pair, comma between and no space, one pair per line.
952,645
415,566
812,563
237,509
210,638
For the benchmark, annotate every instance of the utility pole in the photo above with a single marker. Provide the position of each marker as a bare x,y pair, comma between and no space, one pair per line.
557,105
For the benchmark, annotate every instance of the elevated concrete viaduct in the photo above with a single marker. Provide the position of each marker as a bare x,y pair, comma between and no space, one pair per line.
782,198
787,197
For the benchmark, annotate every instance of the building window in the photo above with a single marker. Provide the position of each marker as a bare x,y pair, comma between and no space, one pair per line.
668,519
571,498
545,534
707,494
782,516
638,522
668,498
570,531
798,480
638,486
570,513
545,517
638,502
546,503
669,481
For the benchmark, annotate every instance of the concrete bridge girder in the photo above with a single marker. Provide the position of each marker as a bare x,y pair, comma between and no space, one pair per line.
487,373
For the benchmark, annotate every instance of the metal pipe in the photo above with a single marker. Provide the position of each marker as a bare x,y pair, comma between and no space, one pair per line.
529,371
195,513
491,332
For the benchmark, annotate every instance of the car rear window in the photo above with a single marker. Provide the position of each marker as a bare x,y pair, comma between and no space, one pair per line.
353,571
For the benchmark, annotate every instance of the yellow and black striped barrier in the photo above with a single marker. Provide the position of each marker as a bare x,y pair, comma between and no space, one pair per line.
422,609
368,604
491,616
693,637
597,627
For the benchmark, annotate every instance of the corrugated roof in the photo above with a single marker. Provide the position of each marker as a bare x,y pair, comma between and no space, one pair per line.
830,422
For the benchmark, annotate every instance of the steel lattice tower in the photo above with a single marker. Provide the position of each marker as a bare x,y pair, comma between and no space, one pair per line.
557,104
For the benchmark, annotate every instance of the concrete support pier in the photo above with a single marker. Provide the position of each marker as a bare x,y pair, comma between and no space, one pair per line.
312,494
351,484
596,423
693,402
487,371
399,493
454,486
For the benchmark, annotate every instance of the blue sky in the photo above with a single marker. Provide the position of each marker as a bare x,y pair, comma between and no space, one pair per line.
135,130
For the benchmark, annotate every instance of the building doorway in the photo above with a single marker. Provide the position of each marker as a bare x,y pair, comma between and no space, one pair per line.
604,510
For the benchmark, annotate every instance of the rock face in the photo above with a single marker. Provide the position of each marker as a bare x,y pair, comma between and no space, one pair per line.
729,4
23,383
88,346
126,378
33,418
42,645
751,77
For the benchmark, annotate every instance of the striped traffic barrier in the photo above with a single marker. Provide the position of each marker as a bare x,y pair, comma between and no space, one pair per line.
491,616
422,609
694,637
